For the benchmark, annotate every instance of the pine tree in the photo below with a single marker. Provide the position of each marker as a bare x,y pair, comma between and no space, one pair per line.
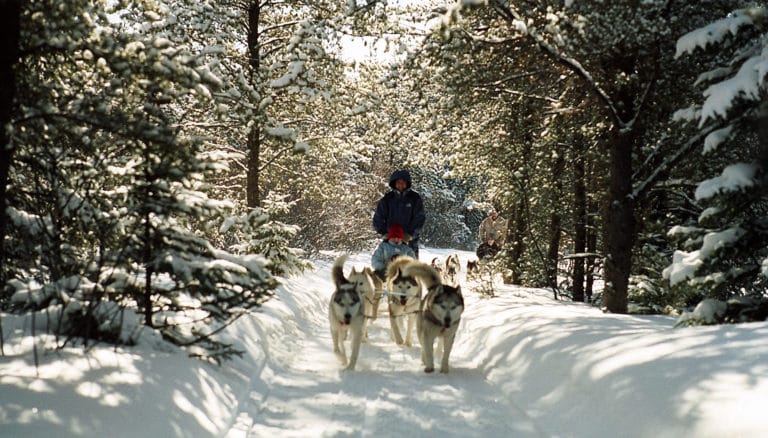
723,253
106,186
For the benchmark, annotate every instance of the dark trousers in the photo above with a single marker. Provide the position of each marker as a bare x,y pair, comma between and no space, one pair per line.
414,244
485,250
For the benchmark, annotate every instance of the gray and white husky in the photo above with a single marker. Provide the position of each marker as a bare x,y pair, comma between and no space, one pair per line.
365,283
439,316
378,287
404,300
451,271
345,315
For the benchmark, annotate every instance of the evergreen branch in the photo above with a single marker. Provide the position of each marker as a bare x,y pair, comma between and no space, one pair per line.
510,15
648,183
209,336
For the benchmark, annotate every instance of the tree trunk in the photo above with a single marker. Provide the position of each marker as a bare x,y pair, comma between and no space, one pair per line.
148,265
10,11
518,245
555,223
579,219
253,198
252,188
553,252
619,224
593,209
591,262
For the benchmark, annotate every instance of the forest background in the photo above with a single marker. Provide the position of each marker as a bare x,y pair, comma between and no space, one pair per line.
177,158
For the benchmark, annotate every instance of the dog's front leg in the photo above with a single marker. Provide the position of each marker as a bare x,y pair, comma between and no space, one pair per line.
365,331
428,353
427,340
356,339
394,324
410,329
398,338
447,346
338,346
376,299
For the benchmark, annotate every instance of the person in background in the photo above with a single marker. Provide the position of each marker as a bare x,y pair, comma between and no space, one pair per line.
492,233
390,248
401,206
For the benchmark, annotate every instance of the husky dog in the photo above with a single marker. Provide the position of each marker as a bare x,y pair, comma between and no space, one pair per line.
365,286
345,314
473,268
436,264
450,273
439,317
378,288
404,300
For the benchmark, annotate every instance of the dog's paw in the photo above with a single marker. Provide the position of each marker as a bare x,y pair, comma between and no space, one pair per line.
444,370
429,369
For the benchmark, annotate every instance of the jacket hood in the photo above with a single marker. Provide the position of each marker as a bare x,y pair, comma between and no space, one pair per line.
400,174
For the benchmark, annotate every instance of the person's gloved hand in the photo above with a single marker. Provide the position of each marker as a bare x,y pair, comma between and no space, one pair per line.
407,238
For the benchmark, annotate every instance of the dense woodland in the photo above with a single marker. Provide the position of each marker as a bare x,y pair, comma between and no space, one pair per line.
177,158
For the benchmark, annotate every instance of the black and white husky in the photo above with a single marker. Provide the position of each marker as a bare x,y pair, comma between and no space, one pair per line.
404,300
439,315
345,315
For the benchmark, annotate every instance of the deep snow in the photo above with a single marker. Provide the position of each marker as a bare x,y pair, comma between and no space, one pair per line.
523,365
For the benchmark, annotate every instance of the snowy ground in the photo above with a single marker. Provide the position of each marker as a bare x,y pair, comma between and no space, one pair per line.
523,366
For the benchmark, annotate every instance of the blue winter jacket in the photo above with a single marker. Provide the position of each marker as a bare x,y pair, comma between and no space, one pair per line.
384,253
403,208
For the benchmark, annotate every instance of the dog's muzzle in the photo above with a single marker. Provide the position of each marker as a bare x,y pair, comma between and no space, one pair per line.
347,318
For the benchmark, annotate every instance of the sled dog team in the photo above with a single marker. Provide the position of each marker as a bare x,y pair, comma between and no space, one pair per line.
434,316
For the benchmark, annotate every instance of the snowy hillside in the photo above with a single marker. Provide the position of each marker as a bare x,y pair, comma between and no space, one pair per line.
523,366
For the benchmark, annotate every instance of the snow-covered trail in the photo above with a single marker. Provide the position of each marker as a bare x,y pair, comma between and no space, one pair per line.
524,365
301,390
